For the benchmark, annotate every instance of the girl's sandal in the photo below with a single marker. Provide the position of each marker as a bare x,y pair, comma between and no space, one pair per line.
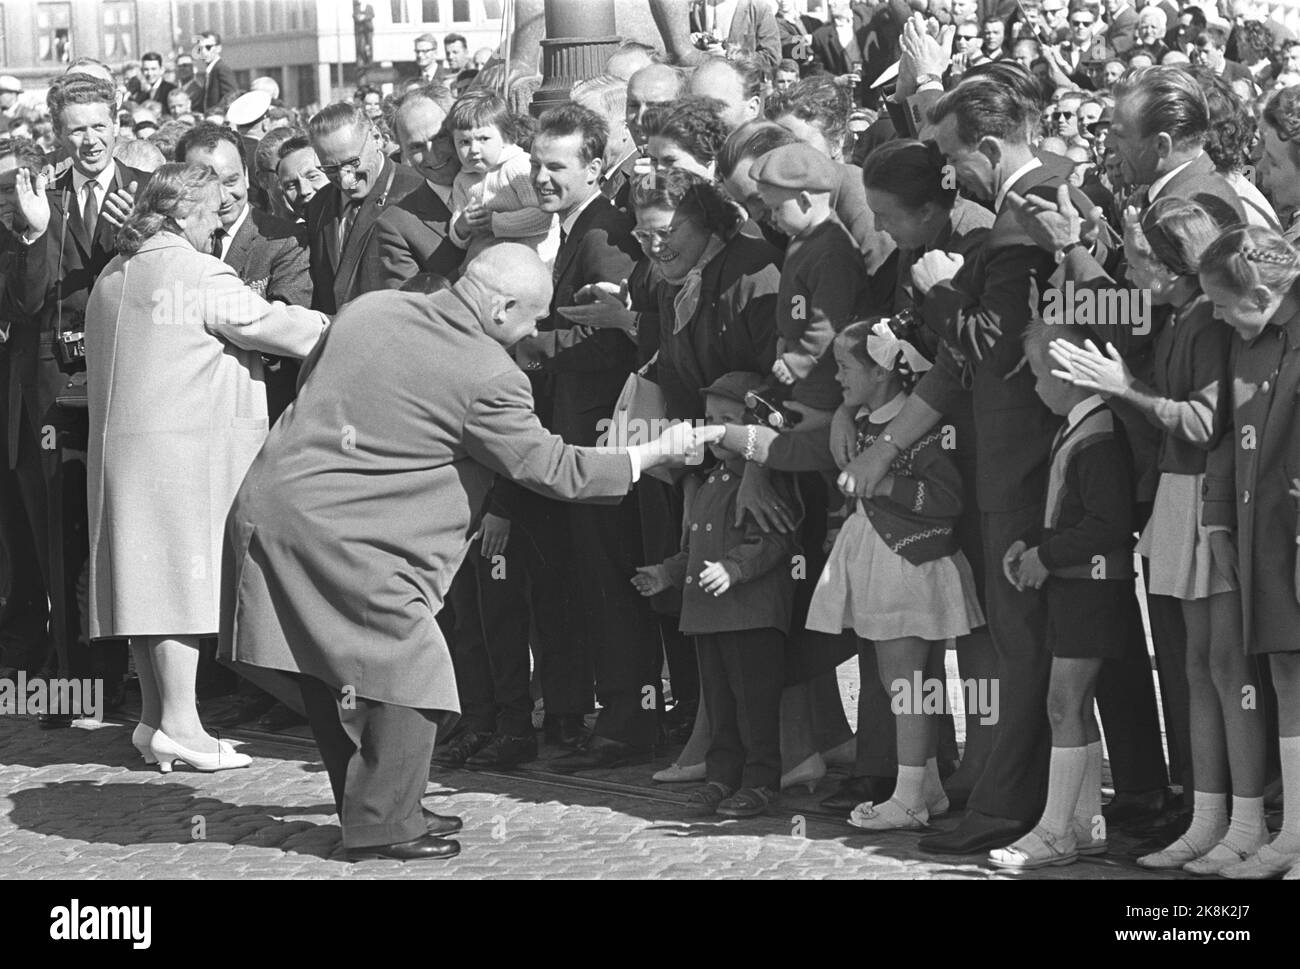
889,816
1038,849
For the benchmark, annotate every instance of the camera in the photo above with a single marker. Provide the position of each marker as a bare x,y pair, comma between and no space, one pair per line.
767,405
70,350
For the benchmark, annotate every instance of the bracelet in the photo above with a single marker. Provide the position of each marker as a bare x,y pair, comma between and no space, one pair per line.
751,439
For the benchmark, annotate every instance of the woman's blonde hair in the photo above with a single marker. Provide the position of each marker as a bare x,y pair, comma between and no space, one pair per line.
171,192
1251,256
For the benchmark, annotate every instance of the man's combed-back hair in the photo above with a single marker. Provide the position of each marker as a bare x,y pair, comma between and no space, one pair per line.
986,108
79,89
1168,100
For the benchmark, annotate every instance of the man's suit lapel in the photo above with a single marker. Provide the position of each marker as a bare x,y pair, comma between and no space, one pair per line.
68,202
329,226
241,245
569,251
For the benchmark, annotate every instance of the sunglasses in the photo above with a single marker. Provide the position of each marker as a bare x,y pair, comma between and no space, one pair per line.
1080,23
1066,115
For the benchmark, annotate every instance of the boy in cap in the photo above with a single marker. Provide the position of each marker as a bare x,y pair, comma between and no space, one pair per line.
823,280
736,602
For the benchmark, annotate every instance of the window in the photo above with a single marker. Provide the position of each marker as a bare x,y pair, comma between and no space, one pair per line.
460,11
4,39
263,23
119,30
399,11
429,13
307,92
54,32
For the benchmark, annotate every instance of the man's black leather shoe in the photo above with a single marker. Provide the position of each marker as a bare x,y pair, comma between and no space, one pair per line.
1127,807
504,753
977,832
247,710
278,718
424,848
600,753
855,790
454,754
441,825
53,721
566,730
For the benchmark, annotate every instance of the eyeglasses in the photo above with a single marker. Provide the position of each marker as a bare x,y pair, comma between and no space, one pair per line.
424,50
1066,115
206,46
350,166
1080,23
646,236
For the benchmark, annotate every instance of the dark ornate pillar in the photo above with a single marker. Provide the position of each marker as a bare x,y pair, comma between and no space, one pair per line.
580,36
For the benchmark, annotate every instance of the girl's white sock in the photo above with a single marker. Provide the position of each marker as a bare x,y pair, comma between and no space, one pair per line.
909,791
1064,780
1209,820
1087,812
1247,831
1288,839
933,787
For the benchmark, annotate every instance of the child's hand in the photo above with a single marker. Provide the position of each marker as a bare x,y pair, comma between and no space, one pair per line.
782,372
650,580
477,216
1032,571
935,267
884,486
1011,562
715,578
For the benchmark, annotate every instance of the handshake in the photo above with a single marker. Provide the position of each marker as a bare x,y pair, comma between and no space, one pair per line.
680,444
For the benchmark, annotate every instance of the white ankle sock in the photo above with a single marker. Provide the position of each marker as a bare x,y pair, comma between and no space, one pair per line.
1065,777
1288,839
1209,820
1087,811
909,791
933,787
1247,831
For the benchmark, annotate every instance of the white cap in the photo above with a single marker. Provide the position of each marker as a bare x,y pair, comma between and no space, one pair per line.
248,108
10,83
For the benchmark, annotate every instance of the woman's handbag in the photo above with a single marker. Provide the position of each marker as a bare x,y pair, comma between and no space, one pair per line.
640,416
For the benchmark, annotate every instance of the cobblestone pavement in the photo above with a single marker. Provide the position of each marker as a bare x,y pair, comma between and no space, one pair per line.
79,803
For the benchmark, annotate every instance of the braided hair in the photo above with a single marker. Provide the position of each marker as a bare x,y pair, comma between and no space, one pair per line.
1248,257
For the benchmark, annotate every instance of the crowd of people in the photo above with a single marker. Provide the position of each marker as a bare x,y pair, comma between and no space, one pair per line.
984,316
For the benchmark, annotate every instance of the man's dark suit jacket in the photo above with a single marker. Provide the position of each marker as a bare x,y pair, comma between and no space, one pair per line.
1201,183
617,186
588,366
49,273
1004,282
336,277
164,88
270,256
1121,35
409,238
218,81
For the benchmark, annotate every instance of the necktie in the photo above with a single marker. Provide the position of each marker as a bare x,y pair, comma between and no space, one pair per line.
345,223
90,211
564,237
218,237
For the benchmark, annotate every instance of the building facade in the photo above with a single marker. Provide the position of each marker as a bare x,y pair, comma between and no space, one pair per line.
38,39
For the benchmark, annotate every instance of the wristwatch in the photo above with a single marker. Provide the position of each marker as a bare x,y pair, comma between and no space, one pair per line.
923,79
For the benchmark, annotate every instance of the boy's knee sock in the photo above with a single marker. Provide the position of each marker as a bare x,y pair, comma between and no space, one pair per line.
1288,839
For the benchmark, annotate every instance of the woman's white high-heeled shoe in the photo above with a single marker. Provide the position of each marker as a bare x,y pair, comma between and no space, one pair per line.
807,773
168,751
677,774
140,738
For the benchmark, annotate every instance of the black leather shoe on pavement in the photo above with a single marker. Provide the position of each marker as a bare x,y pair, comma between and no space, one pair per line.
424,848
441,825
600,753
248,709
467,744
566,730
976,833
1127,807
857,790
504,753
53,721
278,718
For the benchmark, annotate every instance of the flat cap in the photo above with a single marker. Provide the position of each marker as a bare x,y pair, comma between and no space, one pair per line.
798,167
248,108
734,385
10,84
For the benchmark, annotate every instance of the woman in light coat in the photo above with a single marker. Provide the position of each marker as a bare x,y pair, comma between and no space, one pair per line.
177,414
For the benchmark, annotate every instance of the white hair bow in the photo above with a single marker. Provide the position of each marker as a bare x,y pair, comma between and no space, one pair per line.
884,347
